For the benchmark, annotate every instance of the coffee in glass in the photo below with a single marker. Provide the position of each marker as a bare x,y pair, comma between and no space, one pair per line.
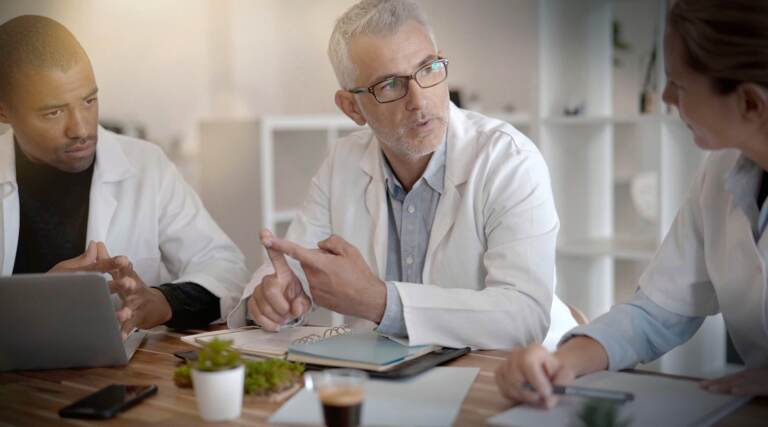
341,393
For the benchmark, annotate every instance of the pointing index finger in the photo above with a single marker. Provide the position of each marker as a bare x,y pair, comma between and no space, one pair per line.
279,263
283,246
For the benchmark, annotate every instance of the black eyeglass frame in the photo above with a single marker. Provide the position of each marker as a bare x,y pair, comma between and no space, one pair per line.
371,89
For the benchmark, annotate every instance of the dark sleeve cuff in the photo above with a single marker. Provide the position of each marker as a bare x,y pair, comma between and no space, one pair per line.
192,306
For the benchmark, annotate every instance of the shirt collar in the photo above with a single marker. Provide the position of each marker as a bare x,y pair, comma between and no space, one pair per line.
434,174
743,182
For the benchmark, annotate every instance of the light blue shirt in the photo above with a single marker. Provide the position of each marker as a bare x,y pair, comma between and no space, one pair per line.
411,215
640,331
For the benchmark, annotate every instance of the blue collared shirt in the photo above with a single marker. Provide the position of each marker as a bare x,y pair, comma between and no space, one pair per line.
411,215
640,330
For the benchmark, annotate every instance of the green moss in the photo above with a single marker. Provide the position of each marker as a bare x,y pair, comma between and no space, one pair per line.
269,376
601,413
182,376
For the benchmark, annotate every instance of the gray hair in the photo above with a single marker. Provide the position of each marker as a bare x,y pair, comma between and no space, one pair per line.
372,18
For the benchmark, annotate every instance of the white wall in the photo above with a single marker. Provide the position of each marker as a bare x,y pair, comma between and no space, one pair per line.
166,63
150,57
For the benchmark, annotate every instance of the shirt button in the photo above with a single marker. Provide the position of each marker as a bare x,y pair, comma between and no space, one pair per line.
411,209
409,260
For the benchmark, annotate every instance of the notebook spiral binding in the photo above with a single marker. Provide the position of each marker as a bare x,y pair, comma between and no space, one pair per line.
330,332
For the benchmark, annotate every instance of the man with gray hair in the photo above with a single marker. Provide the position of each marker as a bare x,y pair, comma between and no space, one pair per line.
435,224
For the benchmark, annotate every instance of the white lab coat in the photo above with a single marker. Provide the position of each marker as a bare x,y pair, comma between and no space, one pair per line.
709,262
490,265
140,207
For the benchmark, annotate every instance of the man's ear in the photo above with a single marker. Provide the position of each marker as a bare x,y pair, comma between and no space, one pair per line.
753,103
347,103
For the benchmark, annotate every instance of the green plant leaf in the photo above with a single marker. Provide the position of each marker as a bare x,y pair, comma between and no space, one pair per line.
601,413
217,355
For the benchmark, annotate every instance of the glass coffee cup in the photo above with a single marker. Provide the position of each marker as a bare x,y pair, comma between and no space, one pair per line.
341,393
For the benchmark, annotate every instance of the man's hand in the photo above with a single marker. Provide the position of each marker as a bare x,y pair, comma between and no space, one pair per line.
751,382
339,278
279,297
143,307
95,259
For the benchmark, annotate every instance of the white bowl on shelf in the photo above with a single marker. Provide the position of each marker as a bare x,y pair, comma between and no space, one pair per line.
644,188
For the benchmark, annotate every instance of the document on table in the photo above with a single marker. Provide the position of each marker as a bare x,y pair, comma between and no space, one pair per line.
433,398
659,401
255,341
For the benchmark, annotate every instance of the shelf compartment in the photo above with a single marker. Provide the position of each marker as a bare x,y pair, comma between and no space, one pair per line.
627,249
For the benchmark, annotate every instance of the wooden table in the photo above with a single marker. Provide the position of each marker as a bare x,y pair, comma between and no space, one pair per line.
35,397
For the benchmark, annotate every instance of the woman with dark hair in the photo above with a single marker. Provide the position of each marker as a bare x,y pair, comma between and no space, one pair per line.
715,257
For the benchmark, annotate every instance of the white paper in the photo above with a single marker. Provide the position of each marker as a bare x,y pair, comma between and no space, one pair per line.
432,398
259,341
659,401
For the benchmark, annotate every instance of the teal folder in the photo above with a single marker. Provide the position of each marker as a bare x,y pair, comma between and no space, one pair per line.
363,349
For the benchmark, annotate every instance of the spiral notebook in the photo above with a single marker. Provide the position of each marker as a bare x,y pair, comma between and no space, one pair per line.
326,346
254,341
360,349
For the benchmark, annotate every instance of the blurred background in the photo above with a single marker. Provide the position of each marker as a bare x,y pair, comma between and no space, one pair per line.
239,94
163,65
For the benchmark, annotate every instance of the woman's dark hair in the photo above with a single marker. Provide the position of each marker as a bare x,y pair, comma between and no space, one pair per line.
726,40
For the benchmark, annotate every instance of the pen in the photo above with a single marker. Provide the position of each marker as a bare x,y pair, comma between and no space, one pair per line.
596,393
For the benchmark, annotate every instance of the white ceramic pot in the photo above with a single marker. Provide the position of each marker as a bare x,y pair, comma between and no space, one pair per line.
219,393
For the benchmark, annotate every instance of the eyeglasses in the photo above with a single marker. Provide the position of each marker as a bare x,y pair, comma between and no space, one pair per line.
396,87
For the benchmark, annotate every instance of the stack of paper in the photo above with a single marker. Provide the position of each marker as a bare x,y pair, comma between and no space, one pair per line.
433,398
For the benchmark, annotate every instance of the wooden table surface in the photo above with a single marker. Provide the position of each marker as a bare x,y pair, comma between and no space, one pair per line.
35,397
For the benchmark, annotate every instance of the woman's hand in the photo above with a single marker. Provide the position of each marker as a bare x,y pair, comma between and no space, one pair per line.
528,374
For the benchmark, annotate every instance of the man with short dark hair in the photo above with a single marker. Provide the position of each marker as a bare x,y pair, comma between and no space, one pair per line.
72,192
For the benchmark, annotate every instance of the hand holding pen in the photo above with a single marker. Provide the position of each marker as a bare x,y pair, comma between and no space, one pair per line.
528,375
535,376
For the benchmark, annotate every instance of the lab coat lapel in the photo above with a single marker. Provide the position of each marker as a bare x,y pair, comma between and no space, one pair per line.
9,200
376,204
457,168
111,166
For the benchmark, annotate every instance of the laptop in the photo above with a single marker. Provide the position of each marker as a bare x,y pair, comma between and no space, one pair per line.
53,321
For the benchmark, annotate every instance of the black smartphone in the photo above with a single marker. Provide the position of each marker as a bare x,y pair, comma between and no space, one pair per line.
187,356
108,401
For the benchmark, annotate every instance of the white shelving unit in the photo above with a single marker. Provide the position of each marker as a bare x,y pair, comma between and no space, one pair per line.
291,150
609,151
256,172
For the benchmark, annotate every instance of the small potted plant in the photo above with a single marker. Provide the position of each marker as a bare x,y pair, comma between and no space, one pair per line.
218,376
270,380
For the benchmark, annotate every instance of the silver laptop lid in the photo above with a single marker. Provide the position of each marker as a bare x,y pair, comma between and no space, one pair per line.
52,321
